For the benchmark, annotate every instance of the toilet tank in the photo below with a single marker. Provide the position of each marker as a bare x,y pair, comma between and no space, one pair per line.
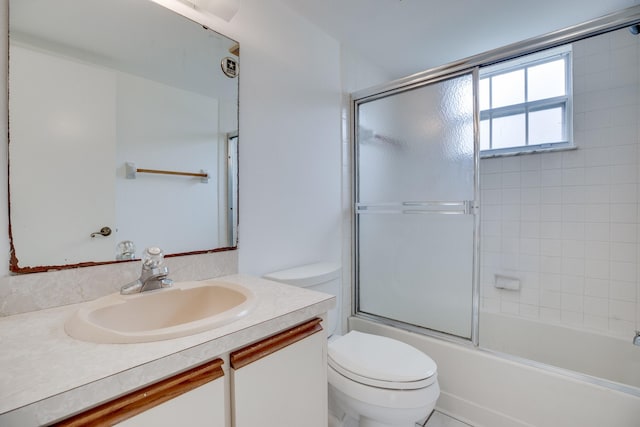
321,277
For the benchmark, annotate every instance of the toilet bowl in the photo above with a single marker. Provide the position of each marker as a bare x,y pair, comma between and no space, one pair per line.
380,381
374,381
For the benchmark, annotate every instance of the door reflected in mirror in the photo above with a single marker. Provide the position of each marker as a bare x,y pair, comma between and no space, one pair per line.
94,86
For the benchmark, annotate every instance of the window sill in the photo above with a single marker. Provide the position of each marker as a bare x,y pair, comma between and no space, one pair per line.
489,155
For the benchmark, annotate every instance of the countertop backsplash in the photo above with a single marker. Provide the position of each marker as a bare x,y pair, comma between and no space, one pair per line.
37,291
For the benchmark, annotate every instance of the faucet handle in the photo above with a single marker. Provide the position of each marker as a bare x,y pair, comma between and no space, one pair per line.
152,258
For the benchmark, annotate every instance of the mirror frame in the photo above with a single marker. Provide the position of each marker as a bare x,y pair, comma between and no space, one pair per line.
232,174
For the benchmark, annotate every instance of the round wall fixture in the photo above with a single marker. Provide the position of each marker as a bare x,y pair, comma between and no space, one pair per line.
230,67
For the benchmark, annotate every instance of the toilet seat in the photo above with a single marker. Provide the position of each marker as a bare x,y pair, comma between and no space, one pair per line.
381,362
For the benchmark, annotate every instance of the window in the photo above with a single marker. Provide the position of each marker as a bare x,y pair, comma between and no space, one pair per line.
525,103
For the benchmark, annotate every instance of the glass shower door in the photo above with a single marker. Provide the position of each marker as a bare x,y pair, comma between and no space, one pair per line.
415,205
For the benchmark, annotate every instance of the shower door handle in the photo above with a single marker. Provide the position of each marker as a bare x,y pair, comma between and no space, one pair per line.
465,207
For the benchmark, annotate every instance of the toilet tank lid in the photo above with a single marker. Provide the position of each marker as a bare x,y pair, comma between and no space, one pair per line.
307,275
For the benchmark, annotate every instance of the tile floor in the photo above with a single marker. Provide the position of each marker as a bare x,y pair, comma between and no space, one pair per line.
438,419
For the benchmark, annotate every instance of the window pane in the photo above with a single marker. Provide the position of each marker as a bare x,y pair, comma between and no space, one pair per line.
509,131
485,135
545,126
485,100
546,80
507,89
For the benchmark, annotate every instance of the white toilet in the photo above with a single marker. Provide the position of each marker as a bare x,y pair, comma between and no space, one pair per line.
374,381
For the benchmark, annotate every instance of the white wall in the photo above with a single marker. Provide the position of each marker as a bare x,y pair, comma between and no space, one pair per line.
566,223
290,99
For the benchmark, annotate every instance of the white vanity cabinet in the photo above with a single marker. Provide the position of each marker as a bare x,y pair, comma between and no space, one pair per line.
195,398
282,381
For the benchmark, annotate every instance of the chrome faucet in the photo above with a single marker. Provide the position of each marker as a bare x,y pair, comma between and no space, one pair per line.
153,276
636,339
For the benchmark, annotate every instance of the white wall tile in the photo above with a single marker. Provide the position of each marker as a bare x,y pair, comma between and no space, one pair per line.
551,247
624,271
573,213
622,310
596,306
550,299
626,233
551,212
596,287
624,252
624,212
624,193
550,229
551,160
575,244
573,230
597,269
531,163
550,195
572,318
511,196
551,282
573,176
492,165
594,250
530,229
573,159
573,248
573,285
491,197
550,314
626,291
531,195
596,212
509,307
511,180
597,175
597,194
596,323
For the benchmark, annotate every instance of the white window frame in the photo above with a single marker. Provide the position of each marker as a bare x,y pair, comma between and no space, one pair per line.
566,101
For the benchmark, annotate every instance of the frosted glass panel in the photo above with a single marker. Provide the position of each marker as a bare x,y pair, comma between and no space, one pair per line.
415,234
418,144
418,269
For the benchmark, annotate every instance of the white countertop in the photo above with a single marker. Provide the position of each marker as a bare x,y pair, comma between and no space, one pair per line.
46,375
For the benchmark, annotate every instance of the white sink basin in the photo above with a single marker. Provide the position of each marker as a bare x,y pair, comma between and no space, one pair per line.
184,309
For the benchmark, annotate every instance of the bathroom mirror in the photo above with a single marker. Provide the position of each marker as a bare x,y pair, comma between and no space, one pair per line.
123,119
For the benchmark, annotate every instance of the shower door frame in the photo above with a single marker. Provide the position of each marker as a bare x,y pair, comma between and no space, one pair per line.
611,22
471,208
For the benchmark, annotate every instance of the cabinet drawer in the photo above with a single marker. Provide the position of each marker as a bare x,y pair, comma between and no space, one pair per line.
161,404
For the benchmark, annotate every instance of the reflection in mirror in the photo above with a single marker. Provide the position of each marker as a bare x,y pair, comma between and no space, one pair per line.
103,95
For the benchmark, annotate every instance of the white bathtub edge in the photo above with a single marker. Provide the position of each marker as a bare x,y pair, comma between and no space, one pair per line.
491,391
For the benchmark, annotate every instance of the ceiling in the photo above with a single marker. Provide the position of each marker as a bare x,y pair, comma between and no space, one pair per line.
404,37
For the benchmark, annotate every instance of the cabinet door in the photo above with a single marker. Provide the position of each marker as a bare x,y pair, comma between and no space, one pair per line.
201,407
282,381
194,398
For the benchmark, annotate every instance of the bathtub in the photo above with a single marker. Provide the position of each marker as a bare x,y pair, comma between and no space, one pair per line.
595,354
486,389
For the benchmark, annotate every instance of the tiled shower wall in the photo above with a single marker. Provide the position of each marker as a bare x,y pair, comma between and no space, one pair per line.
566,223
